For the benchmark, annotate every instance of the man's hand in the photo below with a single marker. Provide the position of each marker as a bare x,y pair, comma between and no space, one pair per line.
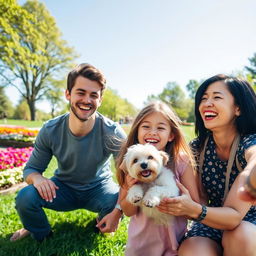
45,187
244,195
109,223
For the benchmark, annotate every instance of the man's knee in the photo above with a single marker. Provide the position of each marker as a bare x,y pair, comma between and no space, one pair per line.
110,201
26,197
108,205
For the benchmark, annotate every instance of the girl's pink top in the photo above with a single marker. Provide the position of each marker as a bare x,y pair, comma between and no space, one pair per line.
147,238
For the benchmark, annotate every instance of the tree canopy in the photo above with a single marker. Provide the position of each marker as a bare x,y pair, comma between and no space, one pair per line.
31,49
116,108
174,96
192,87
55,96
251,77
252,67
6,108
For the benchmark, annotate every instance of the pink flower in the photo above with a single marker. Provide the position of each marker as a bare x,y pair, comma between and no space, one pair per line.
14,157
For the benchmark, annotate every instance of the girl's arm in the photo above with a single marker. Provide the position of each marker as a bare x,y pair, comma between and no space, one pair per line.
189,181
128,208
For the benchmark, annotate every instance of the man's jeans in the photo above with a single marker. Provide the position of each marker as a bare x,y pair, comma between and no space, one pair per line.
29,204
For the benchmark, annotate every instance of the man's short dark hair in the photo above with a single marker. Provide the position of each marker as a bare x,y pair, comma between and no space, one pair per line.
88,71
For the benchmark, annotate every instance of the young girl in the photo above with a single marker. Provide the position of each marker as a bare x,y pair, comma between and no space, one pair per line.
158,125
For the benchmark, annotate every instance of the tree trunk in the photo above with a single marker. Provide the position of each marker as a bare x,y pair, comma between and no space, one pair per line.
52,112
31,104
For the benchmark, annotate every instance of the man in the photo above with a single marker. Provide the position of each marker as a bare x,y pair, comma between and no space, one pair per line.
82,142
247,192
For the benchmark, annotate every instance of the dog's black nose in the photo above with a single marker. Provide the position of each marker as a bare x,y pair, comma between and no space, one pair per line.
144,166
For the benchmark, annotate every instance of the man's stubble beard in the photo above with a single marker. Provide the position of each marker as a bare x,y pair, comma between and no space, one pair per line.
78,117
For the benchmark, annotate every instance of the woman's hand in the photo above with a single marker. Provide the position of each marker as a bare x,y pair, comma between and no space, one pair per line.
181,205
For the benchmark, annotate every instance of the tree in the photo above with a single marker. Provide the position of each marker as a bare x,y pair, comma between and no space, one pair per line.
174,96
192,87
251,80
251,77
31,49
114,107
6,108
55,95
21,110
252,67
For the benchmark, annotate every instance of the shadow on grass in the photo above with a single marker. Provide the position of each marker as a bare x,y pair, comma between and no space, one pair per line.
67,239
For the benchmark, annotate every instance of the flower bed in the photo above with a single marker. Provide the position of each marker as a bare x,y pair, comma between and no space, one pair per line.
12,161
17,136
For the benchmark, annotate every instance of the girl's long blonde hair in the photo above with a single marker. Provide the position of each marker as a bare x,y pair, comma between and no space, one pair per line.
174,148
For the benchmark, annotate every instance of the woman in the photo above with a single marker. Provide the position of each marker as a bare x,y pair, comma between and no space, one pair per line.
225,110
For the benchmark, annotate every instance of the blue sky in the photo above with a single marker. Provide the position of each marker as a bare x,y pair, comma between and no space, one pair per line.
140,45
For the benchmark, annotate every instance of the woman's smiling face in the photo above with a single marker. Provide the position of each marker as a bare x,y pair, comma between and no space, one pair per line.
217,107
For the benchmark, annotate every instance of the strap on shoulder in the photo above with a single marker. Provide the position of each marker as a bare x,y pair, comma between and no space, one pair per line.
200,171
231,159
238,165
201,158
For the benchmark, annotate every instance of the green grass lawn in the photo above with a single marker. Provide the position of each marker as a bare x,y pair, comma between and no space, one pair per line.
73,231
189,132
73,234
31,124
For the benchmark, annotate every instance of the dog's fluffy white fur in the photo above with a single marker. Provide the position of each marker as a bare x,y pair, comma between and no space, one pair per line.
146,164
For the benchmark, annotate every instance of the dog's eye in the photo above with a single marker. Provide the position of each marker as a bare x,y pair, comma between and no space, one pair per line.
135,160
150,157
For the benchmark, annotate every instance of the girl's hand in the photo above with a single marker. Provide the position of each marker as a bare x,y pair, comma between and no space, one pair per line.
129,182
178,206
128,208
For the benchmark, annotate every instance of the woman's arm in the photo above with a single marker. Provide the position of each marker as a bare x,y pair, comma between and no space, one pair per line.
188,201
226,217
234,208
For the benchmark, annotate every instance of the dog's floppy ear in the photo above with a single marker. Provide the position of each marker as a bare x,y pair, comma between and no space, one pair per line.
165,157
122,166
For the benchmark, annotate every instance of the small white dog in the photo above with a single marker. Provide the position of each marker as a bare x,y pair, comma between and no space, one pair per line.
146,164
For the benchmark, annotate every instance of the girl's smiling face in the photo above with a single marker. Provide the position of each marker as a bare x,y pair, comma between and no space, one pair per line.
156,130
217,107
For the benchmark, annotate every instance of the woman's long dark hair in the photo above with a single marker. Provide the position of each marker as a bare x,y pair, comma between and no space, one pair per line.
245,99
